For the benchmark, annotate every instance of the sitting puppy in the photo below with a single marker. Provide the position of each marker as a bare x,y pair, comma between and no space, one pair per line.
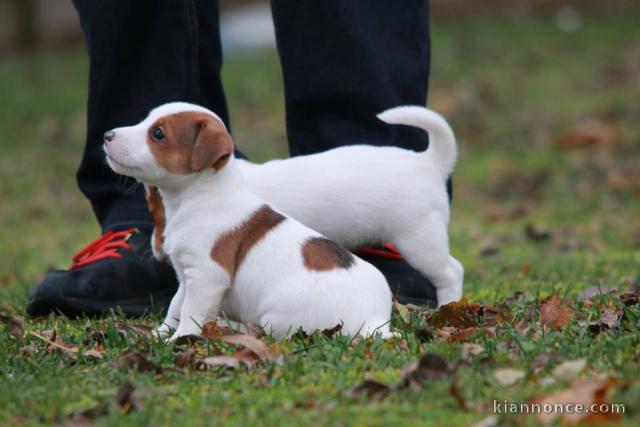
231,250
360,195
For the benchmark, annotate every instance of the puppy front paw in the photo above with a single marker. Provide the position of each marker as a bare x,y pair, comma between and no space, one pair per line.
163,331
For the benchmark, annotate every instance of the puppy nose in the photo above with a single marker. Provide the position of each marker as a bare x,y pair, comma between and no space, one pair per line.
109,136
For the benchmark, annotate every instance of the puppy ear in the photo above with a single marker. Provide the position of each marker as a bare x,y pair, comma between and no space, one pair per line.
212,148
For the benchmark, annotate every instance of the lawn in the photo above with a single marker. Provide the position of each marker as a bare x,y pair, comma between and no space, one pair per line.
546,206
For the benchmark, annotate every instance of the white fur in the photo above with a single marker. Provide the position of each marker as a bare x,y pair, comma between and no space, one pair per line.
271,287
359,195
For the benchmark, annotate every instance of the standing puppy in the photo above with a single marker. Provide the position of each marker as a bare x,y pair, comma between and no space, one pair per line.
359,195
231,250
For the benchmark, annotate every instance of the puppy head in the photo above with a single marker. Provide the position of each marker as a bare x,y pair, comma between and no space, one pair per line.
175,140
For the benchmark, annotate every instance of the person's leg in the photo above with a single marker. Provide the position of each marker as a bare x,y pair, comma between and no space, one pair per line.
343,62
142,53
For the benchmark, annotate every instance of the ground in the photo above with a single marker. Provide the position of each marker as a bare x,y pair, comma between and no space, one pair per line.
546,202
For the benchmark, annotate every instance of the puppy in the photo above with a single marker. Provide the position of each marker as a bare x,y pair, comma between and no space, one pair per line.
232,251
361,195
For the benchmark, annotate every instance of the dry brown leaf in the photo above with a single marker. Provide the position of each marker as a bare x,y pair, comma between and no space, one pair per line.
508,376
430,366
541,362
493,316
581,391
515,183
259,348
595,291
424,334
535,233
126,399
629,298
255,330
468,350
523,325
70,350
487,246
221,361
15,325
462,335
588,133
135,329
137,359
460,314
186,359
455,392
329,332
569,369
211,331
611,316
497,213
374,390
555,313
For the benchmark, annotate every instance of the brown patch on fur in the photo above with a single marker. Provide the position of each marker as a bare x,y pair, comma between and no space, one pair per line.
232,247
322,254
193,141
156,209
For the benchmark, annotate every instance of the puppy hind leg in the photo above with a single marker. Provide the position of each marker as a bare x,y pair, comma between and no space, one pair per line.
427,250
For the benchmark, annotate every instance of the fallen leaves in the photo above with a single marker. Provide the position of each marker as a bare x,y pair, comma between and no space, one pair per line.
569,369
372,389
508,376
460,320
136,359
254,349
124,398
513,183
588,133
536,234
250,351
585,392
555,313
69,350
469,350
15,325
429,367
415,376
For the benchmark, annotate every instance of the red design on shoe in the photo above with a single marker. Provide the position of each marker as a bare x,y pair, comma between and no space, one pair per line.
103,248
389,251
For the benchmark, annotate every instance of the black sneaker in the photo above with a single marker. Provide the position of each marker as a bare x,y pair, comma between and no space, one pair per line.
407,284
117,272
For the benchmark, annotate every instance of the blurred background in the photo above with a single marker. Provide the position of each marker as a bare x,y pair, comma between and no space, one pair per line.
543,96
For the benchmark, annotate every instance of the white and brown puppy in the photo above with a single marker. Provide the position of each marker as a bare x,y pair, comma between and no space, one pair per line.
361,195
231,250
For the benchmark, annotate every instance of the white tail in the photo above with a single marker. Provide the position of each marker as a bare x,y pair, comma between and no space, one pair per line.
442,149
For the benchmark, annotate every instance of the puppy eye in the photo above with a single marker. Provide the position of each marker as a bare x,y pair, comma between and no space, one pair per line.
157,134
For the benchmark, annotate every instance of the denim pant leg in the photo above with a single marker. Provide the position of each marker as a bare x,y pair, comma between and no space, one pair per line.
142,53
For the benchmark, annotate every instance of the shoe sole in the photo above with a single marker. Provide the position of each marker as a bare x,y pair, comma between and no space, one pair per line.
75,307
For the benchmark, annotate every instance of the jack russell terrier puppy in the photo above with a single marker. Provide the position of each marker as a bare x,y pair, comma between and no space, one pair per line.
232,251
361,195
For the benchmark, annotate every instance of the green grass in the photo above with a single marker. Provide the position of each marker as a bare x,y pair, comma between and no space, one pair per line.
508,86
